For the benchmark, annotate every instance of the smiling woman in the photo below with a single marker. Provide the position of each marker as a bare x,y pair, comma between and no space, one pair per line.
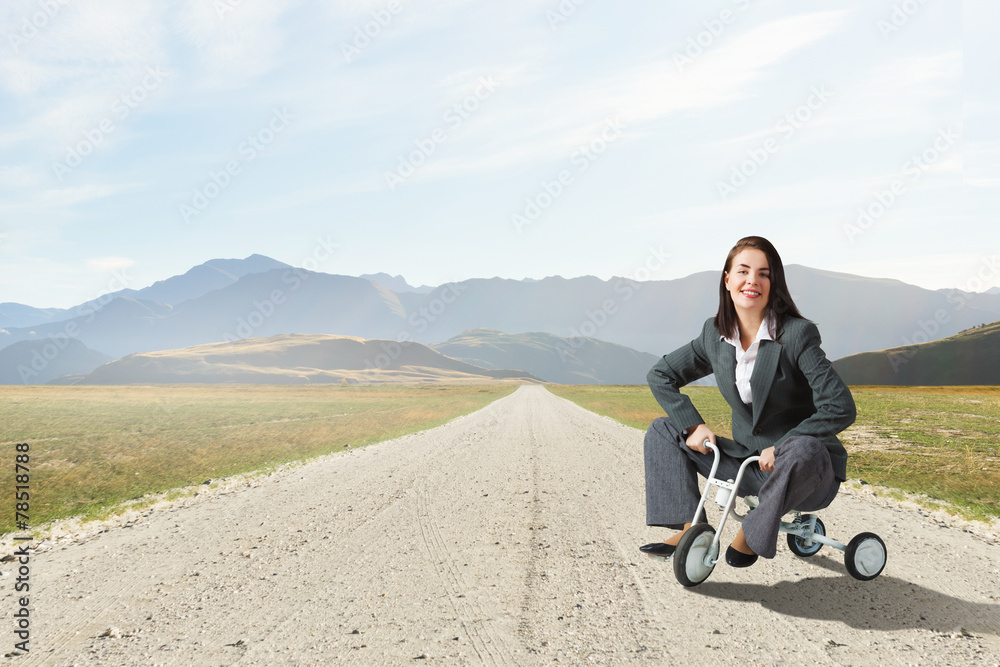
788,404
748,278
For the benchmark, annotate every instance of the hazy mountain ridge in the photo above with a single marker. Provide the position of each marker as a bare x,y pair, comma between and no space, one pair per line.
967,358
396,283
297,359
554,359
258,304
199,280
20,315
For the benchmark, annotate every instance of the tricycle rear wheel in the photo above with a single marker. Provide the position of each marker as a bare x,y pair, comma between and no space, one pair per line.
797,545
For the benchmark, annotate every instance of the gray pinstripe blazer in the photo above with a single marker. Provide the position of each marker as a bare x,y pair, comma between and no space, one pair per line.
795,390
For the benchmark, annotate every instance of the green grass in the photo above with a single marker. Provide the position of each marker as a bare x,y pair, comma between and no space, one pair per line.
939,442
94,447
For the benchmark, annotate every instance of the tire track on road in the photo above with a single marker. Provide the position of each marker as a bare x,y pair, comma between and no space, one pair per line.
472,617
525,626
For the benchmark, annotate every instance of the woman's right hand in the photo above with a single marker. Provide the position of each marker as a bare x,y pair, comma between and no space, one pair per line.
697,437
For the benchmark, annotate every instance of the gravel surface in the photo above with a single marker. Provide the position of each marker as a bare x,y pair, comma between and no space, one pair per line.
507,537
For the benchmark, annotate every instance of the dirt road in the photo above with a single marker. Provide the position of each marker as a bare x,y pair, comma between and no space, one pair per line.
507,537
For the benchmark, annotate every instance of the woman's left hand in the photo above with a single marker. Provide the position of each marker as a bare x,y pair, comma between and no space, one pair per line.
766,462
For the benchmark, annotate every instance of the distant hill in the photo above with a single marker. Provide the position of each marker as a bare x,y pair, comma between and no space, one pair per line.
298,359
970,357
554,359
39,361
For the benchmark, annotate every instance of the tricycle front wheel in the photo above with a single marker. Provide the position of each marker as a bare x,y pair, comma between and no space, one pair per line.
695,558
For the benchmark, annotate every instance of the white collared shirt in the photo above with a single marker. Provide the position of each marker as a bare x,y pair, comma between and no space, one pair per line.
745,359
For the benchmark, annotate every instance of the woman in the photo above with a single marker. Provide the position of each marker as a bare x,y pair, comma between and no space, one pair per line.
788,406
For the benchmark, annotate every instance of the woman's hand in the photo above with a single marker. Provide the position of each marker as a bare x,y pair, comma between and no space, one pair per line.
698,436
766,462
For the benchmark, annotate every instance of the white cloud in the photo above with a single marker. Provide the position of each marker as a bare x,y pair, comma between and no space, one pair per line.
531,123
236,40
724,72
64,77
108,264
534,118
85,47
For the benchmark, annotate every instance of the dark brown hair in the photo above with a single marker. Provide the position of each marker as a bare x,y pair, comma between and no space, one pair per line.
779,302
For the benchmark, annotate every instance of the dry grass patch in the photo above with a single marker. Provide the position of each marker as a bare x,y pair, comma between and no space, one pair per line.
95,446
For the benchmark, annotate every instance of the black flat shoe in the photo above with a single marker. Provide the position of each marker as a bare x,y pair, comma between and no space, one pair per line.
736,558
658,549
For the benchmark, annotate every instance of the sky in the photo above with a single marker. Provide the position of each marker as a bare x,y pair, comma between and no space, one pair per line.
455,139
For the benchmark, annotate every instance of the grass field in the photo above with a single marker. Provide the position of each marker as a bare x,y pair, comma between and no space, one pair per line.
942,442
94,447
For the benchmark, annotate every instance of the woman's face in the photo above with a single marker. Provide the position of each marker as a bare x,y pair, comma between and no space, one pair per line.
749,280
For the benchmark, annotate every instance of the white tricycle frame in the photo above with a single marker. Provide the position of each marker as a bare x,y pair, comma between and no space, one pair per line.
698,550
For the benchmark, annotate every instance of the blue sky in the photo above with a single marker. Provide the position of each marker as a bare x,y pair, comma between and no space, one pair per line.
458,139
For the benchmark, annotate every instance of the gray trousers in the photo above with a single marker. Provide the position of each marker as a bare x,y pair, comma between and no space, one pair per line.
803,479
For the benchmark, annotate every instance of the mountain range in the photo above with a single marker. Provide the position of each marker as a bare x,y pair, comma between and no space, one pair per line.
967,358
226,300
